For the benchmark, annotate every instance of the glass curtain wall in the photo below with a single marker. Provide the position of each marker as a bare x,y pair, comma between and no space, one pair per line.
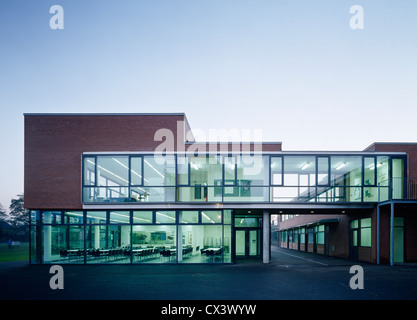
241,178
125,236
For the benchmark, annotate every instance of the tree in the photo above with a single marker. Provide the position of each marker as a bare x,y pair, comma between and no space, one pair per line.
3,215
19,216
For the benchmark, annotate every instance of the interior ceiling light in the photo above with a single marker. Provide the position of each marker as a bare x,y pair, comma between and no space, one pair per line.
340,166
305,166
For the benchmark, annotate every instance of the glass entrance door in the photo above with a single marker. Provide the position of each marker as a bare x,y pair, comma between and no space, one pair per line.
248,244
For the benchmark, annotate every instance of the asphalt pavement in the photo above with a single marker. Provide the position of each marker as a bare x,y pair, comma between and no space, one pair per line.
291,275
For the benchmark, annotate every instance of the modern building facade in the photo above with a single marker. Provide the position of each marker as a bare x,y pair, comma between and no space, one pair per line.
137,188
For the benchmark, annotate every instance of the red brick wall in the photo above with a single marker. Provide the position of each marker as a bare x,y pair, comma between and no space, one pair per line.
54,145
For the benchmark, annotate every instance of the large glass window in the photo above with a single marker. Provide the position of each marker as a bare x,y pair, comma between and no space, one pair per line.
182,170
206,171
89,171
211,216
397,178
159,170
323,171
202,244
112,171
252,171
365,232
154,244
276,171
136,171
241,178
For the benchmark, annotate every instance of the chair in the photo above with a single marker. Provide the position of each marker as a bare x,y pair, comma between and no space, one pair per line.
209,255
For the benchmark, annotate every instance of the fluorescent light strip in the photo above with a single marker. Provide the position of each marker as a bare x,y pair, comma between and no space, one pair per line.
102,168
154,169
165,215
207,217
123,165
305,166
340,166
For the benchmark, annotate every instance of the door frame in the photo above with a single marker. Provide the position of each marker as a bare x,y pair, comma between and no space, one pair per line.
247,242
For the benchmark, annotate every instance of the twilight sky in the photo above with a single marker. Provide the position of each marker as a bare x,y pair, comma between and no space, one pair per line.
293,68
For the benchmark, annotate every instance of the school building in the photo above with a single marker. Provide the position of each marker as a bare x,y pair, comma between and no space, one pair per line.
138,188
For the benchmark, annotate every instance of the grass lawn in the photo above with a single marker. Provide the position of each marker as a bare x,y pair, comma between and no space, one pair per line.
17,253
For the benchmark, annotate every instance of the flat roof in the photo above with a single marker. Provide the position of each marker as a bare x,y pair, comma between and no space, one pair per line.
104,114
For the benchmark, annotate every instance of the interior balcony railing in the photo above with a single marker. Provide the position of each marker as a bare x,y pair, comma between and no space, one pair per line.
397,189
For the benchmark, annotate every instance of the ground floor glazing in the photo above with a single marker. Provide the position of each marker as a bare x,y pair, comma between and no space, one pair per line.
136,237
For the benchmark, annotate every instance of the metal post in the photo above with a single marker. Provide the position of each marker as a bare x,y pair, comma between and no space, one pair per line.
266,236
392,235
378,226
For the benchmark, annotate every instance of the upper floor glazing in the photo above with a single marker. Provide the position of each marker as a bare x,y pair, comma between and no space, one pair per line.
275,177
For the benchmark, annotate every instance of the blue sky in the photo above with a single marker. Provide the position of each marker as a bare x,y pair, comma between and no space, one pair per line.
294,69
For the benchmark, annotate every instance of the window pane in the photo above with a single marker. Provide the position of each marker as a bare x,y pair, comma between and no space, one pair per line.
188,216
365,222
355,238
206,171
346,171
159,170
247,221
365,237
119,217
397,178
323,171
252,171
51,217
73,217
136,171
294,166
112,170
182,165
89,171
95,239
211,216
276,170
165,217
227,219
382,167
96,216
229,170
154,244
369,171
142,216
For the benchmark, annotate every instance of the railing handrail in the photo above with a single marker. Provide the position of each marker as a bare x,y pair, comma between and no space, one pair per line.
399,188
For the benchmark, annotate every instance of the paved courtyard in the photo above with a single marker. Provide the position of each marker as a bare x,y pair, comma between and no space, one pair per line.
291,275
